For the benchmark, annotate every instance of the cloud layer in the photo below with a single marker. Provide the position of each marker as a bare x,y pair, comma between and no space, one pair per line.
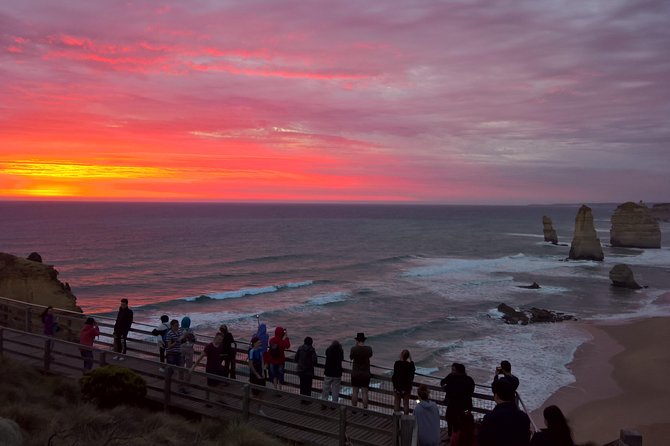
506,101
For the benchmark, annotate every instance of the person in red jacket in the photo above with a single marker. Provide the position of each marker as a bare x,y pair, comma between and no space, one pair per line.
87,335
276,357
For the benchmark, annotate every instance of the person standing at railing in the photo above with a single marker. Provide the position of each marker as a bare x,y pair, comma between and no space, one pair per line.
187,342
124,319
458,391
427,417
403,378
50,326
505,425
504,373
213,353
160,332
276,356
332,371
173,340
87,335
306,359
229,350
360,355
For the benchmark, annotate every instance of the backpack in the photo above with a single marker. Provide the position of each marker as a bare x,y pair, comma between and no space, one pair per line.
274,350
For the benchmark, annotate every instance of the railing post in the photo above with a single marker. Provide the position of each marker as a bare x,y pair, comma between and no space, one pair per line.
2,337
29,319
343,425
246,402
103,357
47,353
407,427
168,388
396,422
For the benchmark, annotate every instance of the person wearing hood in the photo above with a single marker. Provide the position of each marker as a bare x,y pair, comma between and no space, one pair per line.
427,417
306,359
276,357
332,371
187,342
263,336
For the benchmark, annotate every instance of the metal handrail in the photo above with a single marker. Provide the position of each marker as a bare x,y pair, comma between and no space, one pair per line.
380,393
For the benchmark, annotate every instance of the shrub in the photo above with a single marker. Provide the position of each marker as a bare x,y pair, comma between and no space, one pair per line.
111,385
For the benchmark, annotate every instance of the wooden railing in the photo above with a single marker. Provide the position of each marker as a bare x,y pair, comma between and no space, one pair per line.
141,343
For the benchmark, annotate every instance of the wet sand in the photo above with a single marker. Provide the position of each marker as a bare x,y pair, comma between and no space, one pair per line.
621,382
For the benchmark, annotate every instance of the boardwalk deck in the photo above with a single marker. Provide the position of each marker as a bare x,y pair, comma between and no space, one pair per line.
303,422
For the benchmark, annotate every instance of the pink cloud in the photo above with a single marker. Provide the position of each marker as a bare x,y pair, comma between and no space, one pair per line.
430,101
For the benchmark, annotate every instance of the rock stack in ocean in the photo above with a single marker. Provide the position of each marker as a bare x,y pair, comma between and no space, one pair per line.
585,242
549,231
532,316
661,211
634,226
34,282
622,276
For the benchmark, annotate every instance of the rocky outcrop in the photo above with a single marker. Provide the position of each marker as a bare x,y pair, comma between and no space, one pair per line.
549,231
34,282
661,211
634,226
532,316
532,286
622,276
585,242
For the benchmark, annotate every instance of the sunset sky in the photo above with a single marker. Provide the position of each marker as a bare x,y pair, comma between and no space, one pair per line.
463,101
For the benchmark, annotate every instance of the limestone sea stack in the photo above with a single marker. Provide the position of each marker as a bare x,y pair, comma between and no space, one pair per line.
585,242
549,231
34,282
622,276
634,226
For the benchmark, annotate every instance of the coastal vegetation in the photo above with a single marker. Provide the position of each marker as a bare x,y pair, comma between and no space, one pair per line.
51,411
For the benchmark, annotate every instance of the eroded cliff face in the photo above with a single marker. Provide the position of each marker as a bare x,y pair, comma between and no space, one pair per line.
34,282
634,226
585,242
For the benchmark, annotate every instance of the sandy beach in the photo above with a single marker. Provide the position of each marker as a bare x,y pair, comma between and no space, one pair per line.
620,383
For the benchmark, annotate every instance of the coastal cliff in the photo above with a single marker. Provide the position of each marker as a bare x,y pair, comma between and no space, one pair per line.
634,226
34,282
585,242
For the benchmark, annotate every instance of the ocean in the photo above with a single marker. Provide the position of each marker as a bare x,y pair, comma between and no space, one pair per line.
425,278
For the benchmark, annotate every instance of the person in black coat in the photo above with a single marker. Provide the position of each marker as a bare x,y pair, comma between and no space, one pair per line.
403,378
124,319
306,359
505,425
458,391
332,371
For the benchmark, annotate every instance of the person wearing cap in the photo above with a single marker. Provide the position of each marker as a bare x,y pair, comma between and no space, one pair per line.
124,319
360,355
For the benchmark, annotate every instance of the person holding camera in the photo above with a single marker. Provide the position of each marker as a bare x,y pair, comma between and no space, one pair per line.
276,357
504,373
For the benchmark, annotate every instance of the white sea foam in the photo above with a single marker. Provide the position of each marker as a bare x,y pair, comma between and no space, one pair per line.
514,234
251,291
539,354
328,298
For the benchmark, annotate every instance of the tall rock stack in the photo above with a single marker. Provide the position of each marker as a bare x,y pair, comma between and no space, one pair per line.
549,231
634,226
585,243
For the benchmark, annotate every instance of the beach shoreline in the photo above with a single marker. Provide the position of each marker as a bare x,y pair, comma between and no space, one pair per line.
619,382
